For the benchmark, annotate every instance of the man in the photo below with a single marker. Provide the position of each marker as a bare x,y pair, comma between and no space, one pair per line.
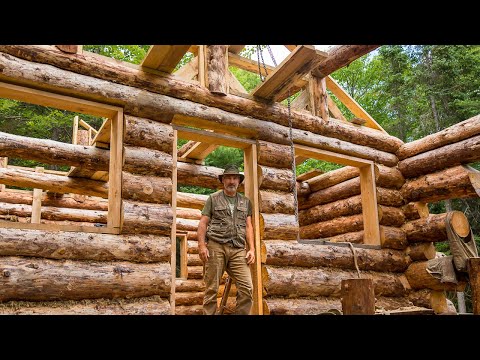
223,246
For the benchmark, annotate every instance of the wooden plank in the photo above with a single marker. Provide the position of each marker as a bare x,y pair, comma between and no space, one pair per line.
300,159
301,102
369,205
55,227
75,130
183,256
297,64
309,152
46,171
37,202
247,64
103,135
358,297
234,85
351,104
173,235
212,137
334,110
202,65
115,171
3,164
164,57
188,71
199,151
290,47
309,174
251,191
235,49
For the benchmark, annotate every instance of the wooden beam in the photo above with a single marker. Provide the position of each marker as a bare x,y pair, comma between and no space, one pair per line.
300,159
70,49
202,65
234,85
317,90
290,47
314,153
371,226
309,174
164,57
188,71
56,227
75,130
217,69
115,172
173,234
199,151
247,64
212,137
3,164
37,202
351,104
103,134
297,64
334,110
235,49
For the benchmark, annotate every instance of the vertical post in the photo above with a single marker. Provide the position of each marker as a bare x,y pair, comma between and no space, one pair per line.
37,201
202,65
115,172
75,130
251,191
369,205
217,67
3,164
173,259
474,278
317,89
461,302
358,297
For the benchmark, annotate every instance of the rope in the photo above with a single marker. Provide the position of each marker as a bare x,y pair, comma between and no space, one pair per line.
354,258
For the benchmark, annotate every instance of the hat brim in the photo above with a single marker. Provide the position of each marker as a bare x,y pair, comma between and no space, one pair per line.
242,177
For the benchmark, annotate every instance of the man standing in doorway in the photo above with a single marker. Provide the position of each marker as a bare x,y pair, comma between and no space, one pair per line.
227,244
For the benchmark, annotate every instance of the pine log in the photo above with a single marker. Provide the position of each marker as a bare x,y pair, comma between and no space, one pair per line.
192,247
393,238
144,218
285,306
147,133
146,188
186,213
457,182
432,228
187,224
217,68
431,299
189,310
193,201
384,303
291,253
389,177
274,155
28,220
275,179
140,160
333,227
324,281
150,105
152,305
34,279
278,226
332,177
391,216
329,211
194,260
53,152
192,235
358,297
415,210
189,298
462,152
182,285
450,135
421,251
343,190
272,202
419,278
355,237
195,272
84,246
389,197
57,183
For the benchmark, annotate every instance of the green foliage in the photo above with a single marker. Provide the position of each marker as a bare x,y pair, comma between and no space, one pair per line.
195,190
311,164
130,53
222,156
248,80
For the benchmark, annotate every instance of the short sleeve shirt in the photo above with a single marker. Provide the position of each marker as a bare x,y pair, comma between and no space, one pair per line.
207,209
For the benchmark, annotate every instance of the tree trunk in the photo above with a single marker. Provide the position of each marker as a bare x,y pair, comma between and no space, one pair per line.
143,218
332,178
140,160
274,155
147,133
217,69
432,228
421,251
453,183
193,201
77,280
415,210
419,278
275,179
286,306
150,105
453,134
152,305
358,297
393,238
186,213
84,246
272,202
333,227
462,152
146,188
389,177
291,253
278,227
329,211
391,216
323,281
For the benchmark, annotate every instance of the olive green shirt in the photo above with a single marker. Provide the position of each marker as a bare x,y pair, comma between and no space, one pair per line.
207,209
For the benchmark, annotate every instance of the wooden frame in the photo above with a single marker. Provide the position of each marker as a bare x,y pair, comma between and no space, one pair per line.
183,255
173,258
115,115
367,184
251,191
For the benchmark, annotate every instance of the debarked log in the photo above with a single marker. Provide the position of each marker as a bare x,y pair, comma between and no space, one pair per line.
144,218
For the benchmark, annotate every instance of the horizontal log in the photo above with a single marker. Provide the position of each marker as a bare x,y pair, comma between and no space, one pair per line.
291,253
193,201
189,298
393,238
189,310
462,152
75,280
421,251
144,218
391,216
415,210
278,226
148,133
455,133
355,237
389,197
343,190
84,246
332,177
332,227
146,188
274,155
419,278
284,306
388,177
192,235
141,160
148,104
195,272
186,213
457,182
275,179
194,260
183,285
187,224
323,281
432,228
192,247
272,202
431,299
151,305
302,189
329,211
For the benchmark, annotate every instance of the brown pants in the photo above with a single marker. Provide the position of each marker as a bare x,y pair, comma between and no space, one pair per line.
222,258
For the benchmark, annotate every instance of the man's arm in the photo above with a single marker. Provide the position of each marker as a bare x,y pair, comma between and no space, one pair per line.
201,231
250,241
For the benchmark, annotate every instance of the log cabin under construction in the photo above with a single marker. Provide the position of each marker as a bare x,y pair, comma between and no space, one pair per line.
106,236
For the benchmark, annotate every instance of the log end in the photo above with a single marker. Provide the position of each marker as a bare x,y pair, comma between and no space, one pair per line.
459,223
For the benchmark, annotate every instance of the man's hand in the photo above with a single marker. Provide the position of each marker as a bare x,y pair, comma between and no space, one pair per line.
250,256
203,253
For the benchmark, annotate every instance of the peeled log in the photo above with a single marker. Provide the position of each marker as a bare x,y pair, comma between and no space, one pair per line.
432,228
189,310
148,133
318,213
194,260
195,272
421,251
291,253
187,224
389,197
323,281
186,213
84,246
141,160
355,237
152,305
217,68
457,182
389,177
194,201
343,190
189,298
275,179
450,135
391,216
332,177
274,155
53,152
146,188
415,210
278,226
419,278
393,238
333,227
75,280
302,188
431,299
462,152
182,285
276,202
319,306
143,218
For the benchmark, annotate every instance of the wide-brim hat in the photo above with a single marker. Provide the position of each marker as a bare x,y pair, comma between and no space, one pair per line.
231,170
